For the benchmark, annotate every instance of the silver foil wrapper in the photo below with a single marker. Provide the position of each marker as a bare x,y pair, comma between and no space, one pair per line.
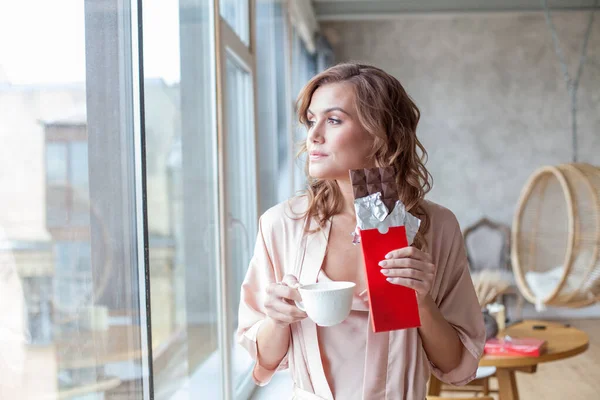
371,213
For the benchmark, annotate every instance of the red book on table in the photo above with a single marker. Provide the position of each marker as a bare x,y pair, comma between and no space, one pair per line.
392,306
530,347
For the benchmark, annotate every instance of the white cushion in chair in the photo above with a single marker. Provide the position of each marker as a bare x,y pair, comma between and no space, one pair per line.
485,372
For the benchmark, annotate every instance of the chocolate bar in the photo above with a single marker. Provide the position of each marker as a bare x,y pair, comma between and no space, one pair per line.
380,231
372,180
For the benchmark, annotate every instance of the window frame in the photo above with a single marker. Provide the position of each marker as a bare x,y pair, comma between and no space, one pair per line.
126,24
115,125
229,44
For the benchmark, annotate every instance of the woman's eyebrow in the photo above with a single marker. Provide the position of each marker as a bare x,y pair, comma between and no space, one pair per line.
330,110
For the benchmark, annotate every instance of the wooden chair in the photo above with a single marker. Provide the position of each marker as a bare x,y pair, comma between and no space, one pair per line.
478,385
499,257
488,245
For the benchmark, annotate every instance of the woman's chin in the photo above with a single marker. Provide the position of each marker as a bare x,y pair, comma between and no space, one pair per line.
319,173
325,174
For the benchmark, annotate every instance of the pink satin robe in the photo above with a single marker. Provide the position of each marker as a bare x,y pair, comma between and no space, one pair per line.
397,367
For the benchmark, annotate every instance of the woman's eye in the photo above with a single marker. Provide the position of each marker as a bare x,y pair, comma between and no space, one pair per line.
310,124
334,121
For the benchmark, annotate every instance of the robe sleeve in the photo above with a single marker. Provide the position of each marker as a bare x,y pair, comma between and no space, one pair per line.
251,312
458,303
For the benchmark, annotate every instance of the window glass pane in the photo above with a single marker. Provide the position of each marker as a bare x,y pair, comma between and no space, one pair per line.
273,105
79,183
241,196
304,67
57,209
72,280
181,176
235,13
68,233
56,163
285,147
298,80
78,166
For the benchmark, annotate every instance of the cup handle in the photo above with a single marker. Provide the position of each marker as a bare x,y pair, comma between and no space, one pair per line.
300,305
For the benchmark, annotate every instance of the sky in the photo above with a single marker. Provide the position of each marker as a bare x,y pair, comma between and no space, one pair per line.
43,41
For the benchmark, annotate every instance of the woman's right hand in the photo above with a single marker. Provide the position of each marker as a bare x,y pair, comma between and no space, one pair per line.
280,305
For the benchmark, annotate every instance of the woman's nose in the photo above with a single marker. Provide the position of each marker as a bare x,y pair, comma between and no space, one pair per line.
316,133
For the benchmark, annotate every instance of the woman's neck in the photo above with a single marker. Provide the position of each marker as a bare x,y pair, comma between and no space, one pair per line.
348,195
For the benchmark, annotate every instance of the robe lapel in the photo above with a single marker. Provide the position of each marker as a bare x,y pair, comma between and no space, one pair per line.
376,364
314,254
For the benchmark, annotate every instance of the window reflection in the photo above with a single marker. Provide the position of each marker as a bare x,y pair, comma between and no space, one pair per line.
69,223
69,315
241,198
67,181
181,198
304,67
273,105
56,164
235,13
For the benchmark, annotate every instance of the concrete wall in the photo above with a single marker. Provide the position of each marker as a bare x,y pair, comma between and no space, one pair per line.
493,101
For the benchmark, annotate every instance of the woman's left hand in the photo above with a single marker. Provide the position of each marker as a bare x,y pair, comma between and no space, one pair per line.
410,267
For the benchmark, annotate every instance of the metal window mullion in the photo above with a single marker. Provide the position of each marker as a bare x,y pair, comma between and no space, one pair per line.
289,88
222,265
143,257
112,154
273,101
253,96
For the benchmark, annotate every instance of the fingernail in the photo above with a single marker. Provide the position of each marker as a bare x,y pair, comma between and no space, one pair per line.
385,271
388,256
389,279
382,263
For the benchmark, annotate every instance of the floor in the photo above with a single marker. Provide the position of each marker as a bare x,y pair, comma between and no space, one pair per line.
573,379
577,378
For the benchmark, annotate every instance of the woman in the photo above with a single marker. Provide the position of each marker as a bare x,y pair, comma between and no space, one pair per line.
358,116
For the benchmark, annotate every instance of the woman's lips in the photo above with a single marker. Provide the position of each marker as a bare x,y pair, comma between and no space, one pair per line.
317,155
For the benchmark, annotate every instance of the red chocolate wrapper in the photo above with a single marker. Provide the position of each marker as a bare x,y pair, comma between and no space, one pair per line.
384,225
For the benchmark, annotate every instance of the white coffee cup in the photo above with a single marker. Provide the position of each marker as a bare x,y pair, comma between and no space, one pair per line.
327,303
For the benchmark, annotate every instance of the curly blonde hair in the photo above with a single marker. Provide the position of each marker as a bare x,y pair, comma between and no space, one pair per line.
387,112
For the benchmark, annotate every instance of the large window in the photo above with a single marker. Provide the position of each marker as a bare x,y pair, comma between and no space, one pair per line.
70,209
134,137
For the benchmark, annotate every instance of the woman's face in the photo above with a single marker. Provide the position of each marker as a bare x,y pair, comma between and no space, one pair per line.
336,141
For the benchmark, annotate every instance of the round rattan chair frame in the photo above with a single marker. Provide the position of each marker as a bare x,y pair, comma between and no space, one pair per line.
566,175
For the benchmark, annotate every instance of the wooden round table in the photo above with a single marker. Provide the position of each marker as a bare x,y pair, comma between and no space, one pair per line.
562,342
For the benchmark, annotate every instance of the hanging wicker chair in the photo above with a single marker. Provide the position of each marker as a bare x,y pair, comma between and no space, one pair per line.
556,237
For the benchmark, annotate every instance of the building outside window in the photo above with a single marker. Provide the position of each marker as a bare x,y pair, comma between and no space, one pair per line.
132,149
